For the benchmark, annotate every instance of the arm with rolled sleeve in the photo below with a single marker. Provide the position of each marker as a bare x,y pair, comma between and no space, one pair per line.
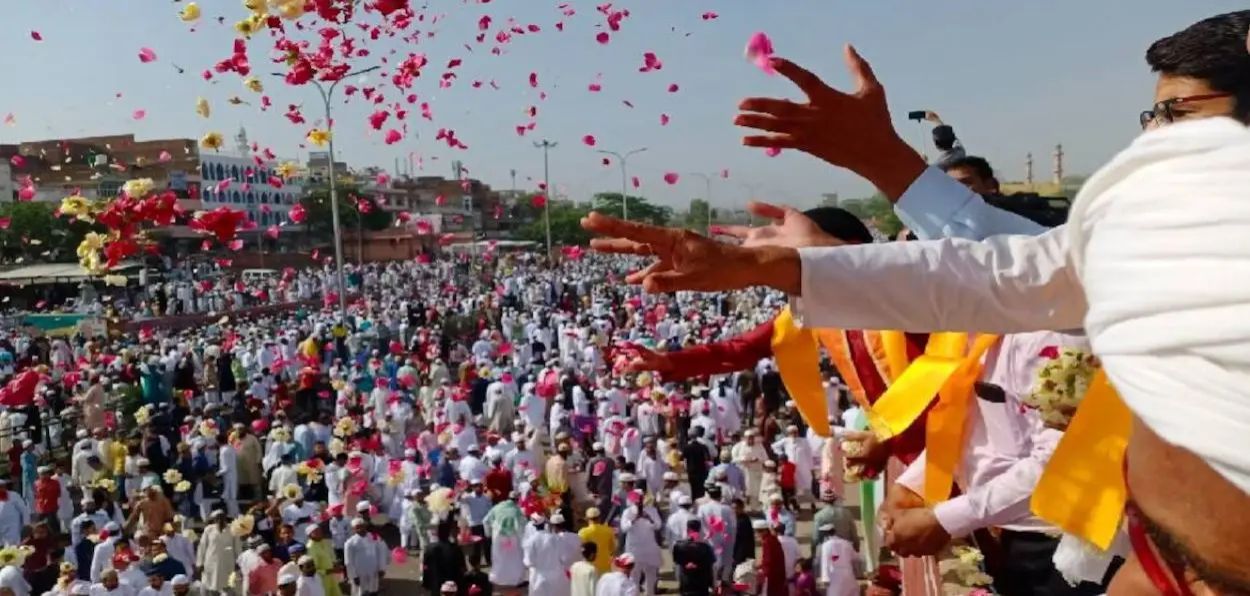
1001,501
938,206
1005,284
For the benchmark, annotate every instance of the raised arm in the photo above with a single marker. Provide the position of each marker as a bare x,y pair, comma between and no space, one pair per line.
731,355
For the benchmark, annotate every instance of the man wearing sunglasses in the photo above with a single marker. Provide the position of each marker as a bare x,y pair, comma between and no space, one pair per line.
1154,267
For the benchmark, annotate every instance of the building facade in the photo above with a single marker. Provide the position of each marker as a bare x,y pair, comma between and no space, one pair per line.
239,183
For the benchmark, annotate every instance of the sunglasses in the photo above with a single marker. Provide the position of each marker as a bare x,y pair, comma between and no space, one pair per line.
1161,113
1167,576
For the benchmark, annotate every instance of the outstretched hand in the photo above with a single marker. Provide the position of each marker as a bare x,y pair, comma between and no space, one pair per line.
789,227
849,130
689,261
645,360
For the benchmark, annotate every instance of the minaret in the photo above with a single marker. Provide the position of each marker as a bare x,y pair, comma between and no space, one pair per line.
243,147
1028,169
1059,164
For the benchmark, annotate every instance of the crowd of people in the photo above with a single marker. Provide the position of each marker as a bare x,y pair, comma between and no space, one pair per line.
511,424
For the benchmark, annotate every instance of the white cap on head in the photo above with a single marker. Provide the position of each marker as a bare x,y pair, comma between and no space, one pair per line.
287,579
557,519
684,501
449,587
304,560
180,580
363,506
359,522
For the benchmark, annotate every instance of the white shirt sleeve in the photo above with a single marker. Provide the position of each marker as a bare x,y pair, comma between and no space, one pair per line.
938,206
1005,284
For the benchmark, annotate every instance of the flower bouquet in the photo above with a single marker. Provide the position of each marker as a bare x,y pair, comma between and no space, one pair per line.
1061,384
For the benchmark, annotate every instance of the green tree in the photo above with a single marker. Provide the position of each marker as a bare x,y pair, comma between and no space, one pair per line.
355,210
876,211
35,233
640,209
566,227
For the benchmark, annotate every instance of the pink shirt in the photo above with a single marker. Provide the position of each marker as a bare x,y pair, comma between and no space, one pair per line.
1006,446
263,579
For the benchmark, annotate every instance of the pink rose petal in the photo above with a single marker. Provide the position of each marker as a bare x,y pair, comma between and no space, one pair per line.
760,52
672,177
664,119
139,114
147,55
772,151
393,136
164,157
589,140
603,37
37,36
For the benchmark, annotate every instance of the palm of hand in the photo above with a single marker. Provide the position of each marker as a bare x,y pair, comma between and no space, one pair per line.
795,231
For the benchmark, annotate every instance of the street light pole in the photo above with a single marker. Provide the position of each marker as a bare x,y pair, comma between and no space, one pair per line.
707,181
546,146
327,95
624,178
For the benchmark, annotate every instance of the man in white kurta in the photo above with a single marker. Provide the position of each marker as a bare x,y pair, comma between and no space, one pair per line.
799,451
749,454
835,565
547,563
228,476
619,582
640,530
364,557
218,551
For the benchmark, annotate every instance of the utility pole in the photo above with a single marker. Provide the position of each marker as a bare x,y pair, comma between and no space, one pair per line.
327,95
622,159
546,146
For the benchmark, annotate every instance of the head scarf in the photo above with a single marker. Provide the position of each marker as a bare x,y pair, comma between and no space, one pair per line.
1160,238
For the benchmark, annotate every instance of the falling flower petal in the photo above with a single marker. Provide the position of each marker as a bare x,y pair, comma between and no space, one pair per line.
393,136
318,137
595,87
603,37
589,140
139,114
672,177
147,55
673,88
708,16
201,107
772,151
236,244
636,182
37,36
272,232
378,118
534,80
650,62
297,213
760,52
190,13
664,119
212,140
539,201
17,161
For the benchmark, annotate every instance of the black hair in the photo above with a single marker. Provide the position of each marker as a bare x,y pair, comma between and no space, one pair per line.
590,550
980,165
1212,50
840,224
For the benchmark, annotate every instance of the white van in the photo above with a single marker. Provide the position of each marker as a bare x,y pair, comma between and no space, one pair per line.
250,275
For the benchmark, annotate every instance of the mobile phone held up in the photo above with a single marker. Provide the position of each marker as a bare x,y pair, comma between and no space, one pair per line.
916,115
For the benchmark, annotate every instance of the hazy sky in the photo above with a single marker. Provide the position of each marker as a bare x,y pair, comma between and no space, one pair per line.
1012,77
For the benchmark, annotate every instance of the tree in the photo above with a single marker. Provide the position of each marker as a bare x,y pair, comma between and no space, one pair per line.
566,227
697,216
355,210
609,203
876,211
36,233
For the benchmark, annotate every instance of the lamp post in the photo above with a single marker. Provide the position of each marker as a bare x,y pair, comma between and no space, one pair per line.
624,177
546,146
707,181
326,96
751,196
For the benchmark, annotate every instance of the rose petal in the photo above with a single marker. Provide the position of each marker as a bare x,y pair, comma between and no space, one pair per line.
672,177
147,55
589,140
